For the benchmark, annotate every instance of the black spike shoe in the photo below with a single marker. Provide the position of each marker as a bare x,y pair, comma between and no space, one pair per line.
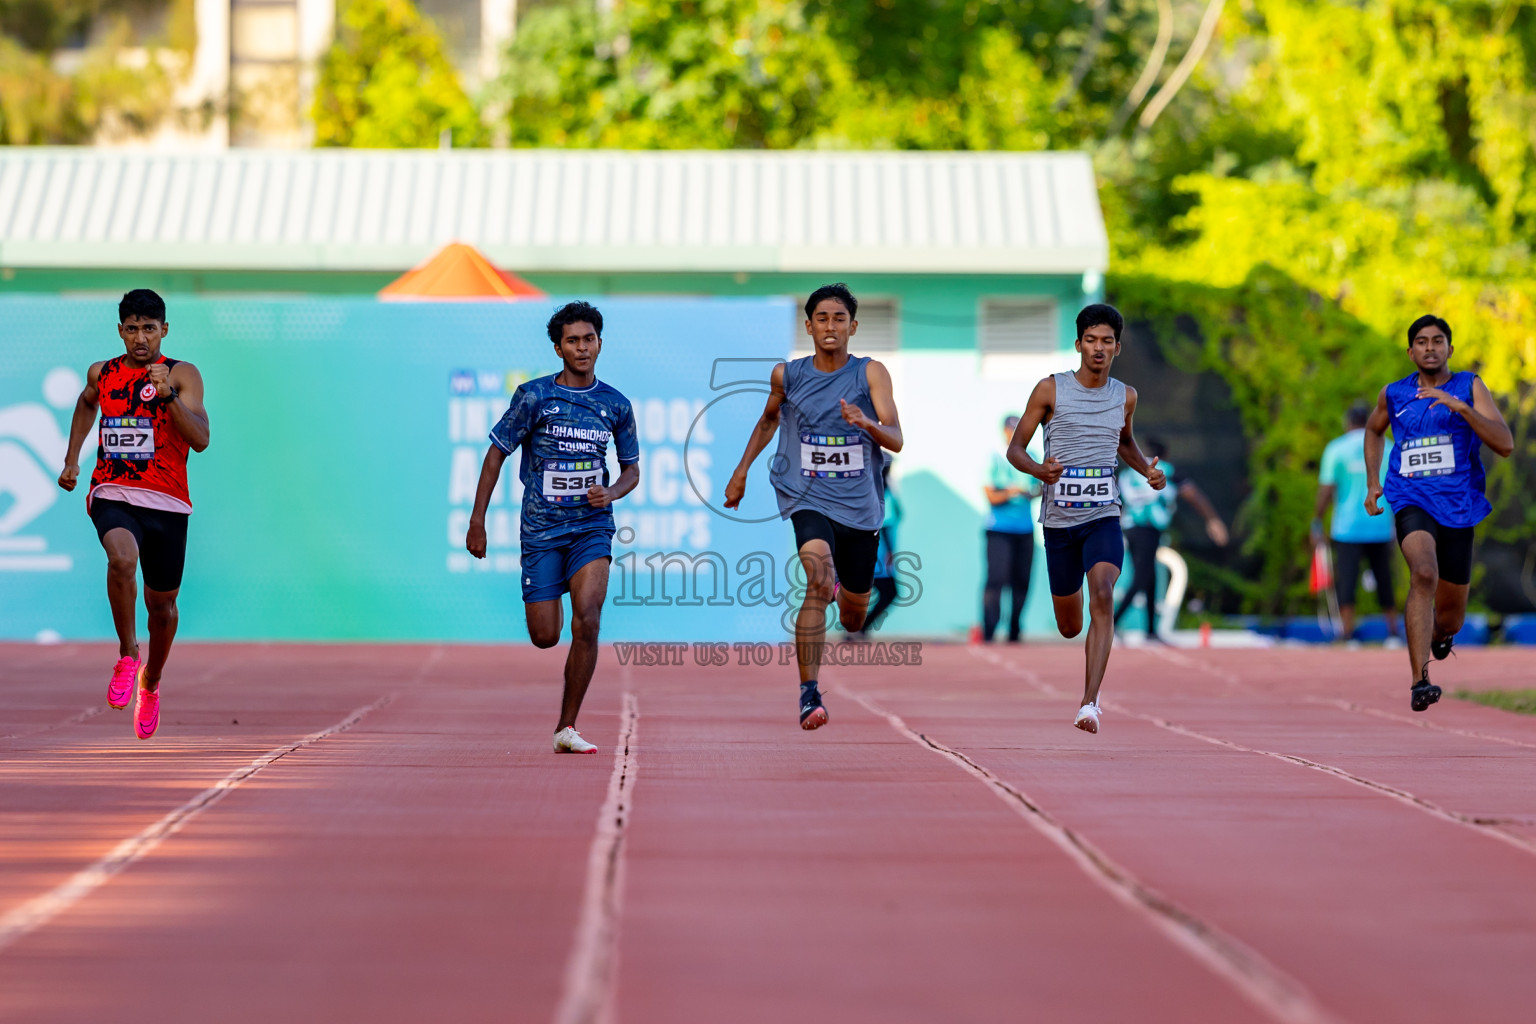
1424,693
812,714
1439,649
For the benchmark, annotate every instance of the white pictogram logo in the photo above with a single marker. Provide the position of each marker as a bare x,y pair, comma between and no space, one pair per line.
32,447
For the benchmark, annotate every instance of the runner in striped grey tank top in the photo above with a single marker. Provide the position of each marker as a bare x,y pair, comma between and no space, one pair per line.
1087,419
837,413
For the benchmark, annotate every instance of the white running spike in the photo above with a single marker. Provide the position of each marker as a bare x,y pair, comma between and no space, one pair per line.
569,741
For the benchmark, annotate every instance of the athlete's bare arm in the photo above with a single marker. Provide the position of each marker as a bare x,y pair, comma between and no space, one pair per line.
1215,528
490,472
762,433
599,496
886,432
1130,451
1482,415
186,407
80,425
1375,444
1042,405
1325,493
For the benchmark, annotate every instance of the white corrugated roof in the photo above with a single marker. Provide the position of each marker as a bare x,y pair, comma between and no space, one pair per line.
536,210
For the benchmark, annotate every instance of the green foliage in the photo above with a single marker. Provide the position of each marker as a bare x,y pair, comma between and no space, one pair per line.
387,83
1521,701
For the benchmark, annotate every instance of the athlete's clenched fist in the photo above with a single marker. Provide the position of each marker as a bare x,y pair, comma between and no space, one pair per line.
160,377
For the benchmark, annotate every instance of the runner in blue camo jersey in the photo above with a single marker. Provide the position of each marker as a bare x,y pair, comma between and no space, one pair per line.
563,423
1440,420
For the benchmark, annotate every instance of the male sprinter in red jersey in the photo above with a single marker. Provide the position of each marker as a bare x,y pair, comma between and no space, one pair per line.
151,413
563,423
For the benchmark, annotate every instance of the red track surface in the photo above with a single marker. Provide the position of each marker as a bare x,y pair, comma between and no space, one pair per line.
1254,836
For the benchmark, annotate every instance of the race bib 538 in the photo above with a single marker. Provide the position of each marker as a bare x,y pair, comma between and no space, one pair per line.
831,455
566,481
1428,456
128,437
1086,487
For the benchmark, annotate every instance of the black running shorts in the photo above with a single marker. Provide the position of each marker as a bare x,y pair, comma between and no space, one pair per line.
853,551
1453,544
162,538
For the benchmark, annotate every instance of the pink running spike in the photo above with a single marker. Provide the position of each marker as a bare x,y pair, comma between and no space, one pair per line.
146,715
120,689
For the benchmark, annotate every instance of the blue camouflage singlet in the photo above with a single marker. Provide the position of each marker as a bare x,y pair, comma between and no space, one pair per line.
564,434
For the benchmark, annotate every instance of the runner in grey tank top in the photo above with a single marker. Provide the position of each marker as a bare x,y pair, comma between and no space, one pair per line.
1083,434
1087,419
837,414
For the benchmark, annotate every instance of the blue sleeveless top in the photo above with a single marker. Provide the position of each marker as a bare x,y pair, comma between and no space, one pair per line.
824,463
1436,462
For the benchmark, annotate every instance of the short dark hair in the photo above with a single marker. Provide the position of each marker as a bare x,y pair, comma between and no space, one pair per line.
1100,313
1154,445
574,313
1428,320
1359,414
141,302
838,291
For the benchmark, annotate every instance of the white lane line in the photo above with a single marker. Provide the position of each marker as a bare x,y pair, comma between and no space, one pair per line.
1485,826
39,910
1261,982
592,971
1341,705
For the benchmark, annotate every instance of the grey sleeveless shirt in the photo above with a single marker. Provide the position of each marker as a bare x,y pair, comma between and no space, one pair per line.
1083,434
823,462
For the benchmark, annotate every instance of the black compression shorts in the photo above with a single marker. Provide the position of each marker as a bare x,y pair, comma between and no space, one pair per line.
161,535
1453,544
853,551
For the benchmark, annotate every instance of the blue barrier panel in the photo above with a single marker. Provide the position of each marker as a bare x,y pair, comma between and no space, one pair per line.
347,436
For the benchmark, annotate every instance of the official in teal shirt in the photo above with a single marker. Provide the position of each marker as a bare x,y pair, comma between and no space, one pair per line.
1357,536
1010,540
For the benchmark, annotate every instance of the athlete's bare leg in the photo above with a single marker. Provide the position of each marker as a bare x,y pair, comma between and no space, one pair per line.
851,609
163,618
123,588
545,621
811,622
1419,609
1450,608
589,589
1101,624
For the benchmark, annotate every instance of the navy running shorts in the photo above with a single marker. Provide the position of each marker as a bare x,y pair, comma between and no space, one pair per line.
1070,551
548,565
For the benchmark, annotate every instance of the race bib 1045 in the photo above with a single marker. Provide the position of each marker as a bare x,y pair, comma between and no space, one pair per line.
832,455
1427,456
128,437
566,481
1086,487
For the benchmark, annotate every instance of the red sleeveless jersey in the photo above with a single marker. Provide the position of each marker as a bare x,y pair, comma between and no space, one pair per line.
138,445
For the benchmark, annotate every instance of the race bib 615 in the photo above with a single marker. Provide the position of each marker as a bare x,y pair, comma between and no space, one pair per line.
1428,456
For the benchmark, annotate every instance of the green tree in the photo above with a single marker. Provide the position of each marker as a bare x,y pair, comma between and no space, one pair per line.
387,83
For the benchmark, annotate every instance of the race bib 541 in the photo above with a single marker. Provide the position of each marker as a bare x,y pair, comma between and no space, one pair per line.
128,437
566,481
831,455
1086,487
1428,456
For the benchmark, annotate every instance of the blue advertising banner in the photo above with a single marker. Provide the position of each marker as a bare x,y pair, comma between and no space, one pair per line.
346,442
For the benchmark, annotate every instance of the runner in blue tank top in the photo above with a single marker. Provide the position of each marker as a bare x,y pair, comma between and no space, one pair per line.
837,412
563,423
1440,420
1087,418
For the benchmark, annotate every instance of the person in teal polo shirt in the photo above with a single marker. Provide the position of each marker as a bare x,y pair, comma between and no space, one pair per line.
1146,515
1010,540
1356,534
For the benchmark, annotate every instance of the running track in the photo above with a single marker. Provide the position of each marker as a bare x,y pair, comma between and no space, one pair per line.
1256,836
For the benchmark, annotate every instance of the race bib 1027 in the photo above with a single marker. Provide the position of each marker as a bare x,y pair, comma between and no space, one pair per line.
1086,487
128,437
1427,456
566,481
831,455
